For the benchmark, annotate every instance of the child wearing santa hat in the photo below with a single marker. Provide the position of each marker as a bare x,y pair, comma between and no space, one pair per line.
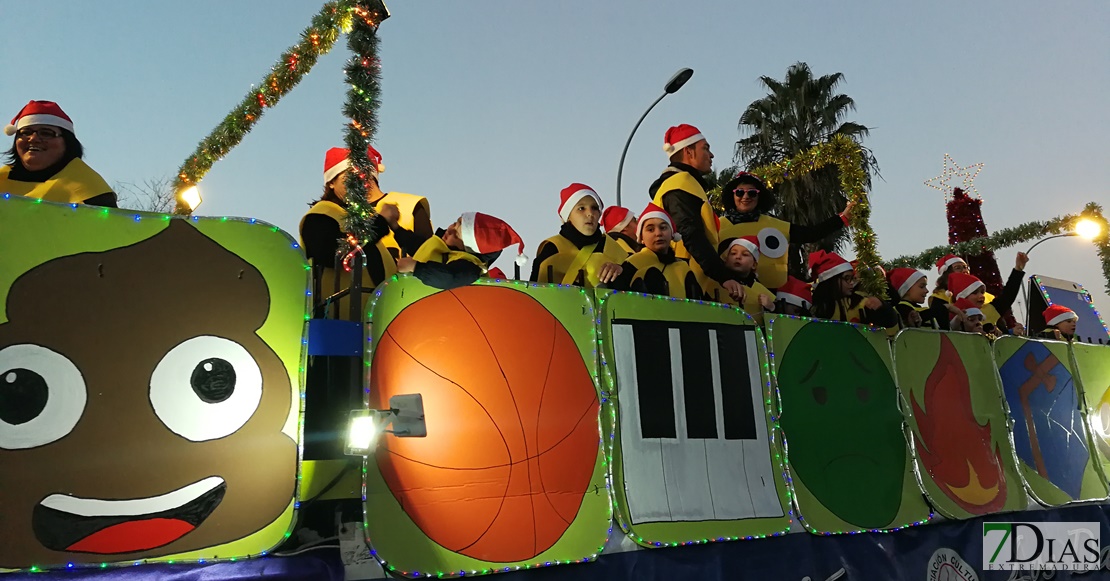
580,254
741,256
322,228
1061,322
835,297
963,285
968,319
794,297
655,269
464,252
909,287
620,224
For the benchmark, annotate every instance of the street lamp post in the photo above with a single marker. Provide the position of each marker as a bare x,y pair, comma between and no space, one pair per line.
1084,228
672,86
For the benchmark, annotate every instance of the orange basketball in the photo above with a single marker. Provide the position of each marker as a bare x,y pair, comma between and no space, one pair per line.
512,418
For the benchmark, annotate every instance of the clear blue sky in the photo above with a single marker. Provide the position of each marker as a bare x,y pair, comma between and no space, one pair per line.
495,106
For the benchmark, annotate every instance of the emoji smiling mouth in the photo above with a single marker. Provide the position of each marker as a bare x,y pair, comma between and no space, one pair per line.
89,525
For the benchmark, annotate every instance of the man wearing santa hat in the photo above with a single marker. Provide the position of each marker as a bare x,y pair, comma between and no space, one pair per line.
464,252
681,191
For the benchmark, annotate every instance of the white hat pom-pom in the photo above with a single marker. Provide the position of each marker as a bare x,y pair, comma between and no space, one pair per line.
9,130
521,259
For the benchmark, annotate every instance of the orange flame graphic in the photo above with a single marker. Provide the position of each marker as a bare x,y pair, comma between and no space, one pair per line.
954,448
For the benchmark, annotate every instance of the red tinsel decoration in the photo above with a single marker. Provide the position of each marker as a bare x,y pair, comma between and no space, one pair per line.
965,222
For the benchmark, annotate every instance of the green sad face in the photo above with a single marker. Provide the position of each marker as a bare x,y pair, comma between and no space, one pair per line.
842,424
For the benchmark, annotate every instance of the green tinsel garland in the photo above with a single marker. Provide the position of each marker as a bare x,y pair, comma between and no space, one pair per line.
364,77
846,156
291,67
1016,235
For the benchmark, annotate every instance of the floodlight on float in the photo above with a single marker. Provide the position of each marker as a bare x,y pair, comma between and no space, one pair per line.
365,426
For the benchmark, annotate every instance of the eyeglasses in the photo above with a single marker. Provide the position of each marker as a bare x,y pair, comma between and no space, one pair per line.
849,278
742,193
43,132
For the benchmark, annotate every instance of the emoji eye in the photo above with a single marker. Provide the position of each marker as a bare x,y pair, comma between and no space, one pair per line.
42,396
772,243
206,388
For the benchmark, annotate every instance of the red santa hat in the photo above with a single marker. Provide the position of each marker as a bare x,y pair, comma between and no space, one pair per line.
571,195
796,292
947,261
616,218
825,265
967,307
749,242
653,211
337,160
680,136
483,234
1056,314
39,113
903,279
496,274
962,284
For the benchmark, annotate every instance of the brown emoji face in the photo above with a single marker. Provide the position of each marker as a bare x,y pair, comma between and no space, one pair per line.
140,413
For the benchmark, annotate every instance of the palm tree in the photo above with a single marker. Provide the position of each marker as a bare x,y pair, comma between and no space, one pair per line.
797,114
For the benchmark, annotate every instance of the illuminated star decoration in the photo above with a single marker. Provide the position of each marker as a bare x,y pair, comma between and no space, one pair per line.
966,174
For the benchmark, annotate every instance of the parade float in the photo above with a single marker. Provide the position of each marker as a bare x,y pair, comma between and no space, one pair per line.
162,422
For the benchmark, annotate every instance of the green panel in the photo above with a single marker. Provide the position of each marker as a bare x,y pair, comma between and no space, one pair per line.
512,473
957,423
1054,447
1093,363
631,306
846,452
184,339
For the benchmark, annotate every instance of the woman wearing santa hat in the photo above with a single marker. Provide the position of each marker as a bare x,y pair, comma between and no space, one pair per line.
747,201
464,252
655,269
322,228
835,297
45,160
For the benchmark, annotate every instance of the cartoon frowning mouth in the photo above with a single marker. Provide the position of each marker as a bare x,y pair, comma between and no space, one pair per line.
89,525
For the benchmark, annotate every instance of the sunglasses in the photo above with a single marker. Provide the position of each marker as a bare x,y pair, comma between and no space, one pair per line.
44,132
742,193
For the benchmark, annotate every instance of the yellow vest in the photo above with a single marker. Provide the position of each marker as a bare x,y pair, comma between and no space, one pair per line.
674,273
751,298
327,274
569,260
406,204
773,262
76,183
681,180
435,249
623,244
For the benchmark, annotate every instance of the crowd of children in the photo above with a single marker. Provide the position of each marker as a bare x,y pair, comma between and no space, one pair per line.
697,256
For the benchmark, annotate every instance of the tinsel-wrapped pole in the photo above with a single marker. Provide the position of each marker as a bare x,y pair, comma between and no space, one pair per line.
965,222
291,67
1008,237
846,156
363,100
